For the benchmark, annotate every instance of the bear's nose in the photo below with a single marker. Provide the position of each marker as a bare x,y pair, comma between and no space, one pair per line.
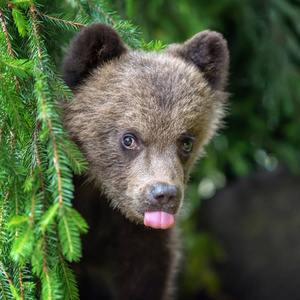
163,193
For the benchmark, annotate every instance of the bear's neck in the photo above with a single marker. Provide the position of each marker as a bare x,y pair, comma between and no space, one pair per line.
113,241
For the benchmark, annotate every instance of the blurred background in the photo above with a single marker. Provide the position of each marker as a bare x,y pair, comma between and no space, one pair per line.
241,223
241,226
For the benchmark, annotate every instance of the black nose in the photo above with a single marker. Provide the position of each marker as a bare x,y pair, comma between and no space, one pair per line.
163,193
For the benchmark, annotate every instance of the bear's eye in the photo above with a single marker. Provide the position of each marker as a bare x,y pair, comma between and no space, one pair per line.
187,145
129,142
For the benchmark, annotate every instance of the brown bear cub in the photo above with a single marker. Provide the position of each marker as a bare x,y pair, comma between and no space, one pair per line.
141,119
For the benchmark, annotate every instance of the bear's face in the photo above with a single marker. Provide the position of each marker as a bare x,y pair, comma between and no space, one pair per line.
141,119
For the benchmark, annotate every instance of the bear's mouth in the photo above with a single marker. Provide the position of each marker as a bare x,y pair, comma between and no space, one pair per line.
158,219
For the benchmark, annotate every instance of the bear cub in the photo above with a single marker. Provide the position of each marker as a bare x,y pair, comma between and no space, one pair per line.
141,119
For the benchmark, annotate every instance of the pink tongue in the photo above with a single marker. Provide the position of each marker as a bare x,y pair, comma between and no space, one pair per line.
158,219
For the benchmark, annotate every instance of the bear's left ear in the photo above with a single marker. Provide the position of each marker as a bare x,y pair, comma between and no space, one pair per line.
208,51
92,47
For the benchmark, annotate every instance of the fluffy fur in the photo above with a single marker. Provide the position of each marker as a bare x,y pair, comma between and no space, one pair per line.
164,100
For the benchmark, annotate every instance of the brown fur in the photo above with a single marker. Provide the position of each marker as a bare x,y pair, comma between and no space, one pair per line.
160,98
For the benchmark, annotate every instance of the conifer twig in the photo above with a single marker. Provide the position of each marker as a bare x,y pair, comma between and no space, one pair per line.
3,293
102,12
21,283
64,269
20,272
4,272
40,166
60,202
24,84
1,127
43,198
56,164
62,88
32,207
11,52
33,12
61,20
2,212
45,252
12,143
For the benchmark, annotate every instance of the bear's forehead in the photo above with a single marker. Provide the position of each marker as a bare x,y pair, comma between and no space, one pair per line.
154,93
168,94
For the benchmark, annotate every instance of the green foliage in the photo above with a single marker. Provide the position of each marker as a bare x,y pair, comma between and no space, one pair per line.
153,46
39,229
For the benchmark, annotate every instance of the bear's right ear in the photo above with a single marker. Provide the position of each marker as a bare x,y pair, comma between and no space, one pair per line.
91,47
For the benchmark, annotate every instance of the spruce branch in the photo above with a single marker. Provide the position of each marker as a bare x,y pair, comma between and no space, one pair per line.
102,12
14,111
44,242
12,142
55,159
2,214
57,166
1,127
69,281
21,283
2,289
44,253
11,53
21,3
61,20
24,85
20,272
40,167
67,92
4,272
33,19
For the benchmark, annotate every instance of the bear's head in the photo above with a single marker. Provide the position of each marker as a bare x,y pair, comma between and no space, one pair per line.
142,118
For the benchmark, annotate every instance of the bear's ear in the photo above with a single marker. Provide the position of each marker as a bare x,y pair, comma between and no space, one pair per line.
91,47
208,51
